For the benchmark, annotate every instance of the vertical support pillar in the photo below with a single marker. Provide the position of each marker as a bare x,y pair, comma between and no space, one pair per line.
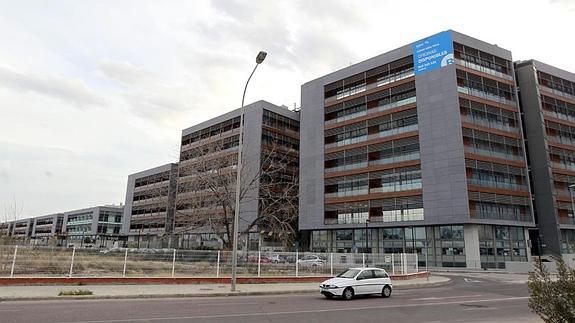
363,259
471,238
174,264
296,264
259,263
125,263
72,262
331,263
218,265
393,264
14,261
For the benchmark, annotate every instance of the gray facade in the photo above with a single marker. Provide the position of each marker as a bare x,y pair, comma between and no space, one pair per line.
47,226
218,138
441,132
549,119
150,201
99,224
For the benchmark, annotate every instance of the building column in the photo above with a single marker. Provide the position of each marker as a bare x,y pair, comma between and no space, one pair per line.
527,244
471,238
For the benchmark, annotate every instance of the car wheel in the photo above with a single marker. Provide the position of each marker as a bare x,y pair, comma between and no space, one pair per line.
386,292
348,294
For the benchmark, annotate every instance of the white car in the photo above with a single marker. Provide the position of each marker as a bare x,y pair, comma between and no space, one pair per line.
311,261
358,281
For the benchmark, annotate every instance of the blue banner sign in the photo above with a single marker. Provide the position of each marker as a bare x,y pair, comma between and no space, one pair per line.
433,52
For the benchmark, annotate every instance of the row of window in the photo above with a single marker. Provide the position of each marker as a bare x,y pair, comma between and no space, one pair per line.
556,83
211,131
369,78
488,116
278,121
220,146
152,179
558,108
486,88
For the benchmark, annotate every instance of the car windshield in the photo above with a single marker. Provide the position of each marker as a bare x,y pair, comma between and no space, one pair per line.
350,273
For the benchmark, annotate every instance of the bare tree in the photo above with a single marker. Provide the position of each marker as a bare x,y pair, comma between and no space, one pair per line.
12,211
206,192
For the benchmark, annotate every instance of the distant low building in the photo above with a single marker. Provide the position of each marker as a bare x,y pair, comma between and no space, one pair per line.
94,226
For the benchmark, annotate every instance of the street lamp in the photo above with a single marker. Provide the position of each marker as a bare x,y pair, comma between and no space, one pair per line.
367,221
259,59
572,203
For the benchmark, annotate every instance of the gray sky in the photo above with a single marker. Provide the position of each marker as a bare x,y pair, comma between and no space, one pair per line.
91,91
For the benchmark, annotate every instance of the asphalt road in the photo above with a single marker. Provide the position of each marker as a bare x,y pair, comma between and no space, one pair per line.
469,298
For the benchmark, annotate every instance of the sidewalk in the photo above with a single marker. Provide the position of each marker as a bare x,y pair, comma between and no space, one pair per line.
22,293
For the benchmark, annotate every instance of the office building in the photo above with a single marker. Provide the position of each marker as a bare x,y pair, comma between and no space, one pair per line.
150,203
418,149
548,103
94,226
47,229
207,170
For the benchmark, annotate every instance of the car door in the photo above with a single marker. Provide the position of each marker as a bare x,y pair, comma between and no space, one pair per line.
363,282
381,279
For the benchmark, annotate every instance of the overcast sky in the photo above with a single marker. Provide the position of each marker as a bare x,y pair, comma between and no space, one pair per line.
92,91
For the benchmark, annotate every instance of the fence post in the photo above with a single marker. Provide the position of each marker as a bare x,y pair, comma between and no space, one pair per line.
393,264
404,263
259,263
401,263
416,263
14,261
363,259
218,265
331,263
296,263
72,262
174,264
125,263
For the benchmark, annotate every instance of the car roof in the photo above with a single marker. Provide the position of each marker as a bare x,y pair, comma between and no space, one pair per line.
366,268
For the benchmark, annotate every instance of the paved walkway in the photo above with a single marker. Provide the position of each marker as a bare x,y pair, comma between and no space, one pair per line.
195,290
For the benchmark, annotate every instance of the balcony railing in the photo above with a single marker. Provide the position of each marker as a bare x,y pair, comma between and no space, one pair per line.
346,167
395,188
496,184
395,159
558,115
502,217
563,165
488,124
482,68
557,92
567,220
492,153
347,193
485,95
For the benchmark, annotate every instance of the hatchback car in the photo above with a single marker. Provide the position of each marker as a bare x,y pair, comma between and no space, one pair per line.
358,281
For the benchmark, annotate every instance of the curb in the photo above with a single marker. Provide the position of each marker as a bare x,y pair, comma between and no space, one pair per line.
190,295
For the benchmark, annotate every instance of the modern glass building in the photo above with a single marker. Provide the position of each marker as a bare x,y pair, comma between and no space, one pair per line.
418,150
548,103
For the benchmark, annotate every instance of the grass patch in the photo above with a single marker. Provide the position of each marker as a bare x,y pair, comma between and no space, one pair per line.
75,292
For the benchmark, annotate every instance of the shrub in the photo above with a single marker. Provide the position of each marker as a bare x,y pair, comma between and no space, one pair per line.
553,299
75,292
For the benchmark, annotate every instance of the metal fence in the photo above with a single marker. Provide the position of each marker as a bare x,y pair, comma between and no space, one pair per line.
34,261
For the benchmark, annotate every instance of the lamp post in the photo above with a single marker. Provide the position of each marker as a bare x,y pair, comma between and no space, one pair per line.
367,221
572,203
259,59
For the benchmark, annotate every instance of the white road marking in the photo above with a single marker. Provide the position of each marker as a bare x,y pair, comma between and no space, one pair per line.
467,280
296,312
438,298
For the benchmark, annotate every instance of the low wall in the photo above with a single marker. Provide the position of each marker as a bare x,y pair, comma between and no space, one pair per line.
178,280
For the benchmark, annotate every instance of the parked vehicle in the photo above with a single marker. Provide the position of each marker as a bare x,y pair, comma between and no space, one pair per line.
310,261
358,281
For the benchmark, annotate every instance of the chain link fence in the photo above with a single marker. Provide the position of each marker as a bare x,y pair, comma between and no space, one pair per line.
35,261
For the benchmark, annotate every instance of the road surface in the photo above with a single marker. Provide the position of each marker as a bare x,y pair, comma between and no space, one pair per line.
469,298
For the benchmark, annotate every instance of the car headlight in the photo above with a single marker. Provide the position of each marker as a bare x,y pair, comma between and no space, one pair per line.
329,286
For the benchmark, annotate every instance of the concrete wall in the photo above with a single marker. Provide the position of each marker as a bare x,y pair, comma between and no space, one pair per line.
131,187
541,175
